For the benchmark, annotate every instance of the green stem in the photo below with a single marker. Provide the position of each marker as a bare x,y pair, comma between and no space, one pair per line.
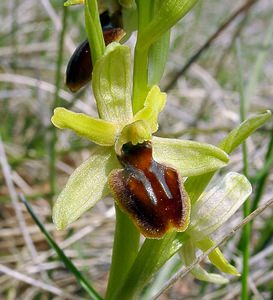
140,79
125,249
94,30
246,208
57,102
152,256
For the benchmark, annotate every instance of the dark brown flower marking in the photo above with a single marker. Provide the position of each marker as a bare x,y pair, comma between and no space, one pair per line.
151,193
79,68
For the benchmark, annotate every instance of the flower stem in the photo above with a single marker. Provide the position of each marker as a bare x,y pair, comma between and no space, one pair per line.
140,80
94,30
151,257
246,208
125,249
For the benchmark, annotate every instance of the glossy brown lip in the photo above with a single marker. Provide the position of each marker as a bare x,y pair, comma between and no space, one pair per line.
152,194
79,68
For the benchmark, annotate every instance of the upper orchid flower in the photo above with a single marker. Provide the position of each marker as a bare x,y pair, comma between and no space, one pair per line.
212,209
143,172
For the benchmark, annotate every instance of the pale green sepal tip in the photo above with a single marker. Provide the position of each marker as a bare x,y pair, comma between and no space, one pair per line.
111,81
216,206
85,187
188,255
188,157
153,105
216,257
98,131
73,2
201,274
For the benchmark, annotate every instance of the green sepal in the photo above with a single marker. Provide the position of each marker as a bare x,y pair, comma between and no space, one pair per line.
216,257
111,83
188,157
135,133
216,206
168,14
188,256
98,131
153,105
85,187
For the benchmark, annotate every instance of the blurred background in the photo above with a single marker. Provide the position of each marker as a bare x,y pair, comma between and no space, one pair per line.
36,40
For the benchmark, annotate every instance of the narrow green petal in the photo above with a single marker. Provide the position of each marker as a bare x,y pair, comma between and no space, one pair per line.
85,187
153,105
216,257
112,84
216,206
168,14
188,255
188,157
98,131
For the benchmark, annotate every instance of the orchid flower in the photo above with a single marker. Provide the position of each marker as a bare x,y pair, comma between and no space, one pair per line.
117,126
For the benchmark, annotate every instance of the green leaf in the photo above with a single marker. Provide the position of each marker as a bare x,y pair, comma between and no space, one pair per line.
85,187
67,262
111,83
158,55
196,185
98,131
216,257
168,14
243,131
188,157
153,105
217,205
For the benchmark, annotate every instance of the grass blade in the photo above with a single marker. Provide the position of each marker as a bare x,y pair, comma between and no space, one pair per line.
67,262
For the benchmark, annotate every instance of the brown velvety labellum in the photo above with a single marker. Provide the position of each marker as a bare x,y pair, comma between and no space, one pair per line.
151,193
79,68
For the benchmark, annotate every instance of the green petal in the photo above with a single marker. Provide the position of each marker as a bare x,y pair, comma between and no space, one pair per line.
98,131
188,157
85,187
136,133
188,256
216,206
153,105
216,257
111,83
168,14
